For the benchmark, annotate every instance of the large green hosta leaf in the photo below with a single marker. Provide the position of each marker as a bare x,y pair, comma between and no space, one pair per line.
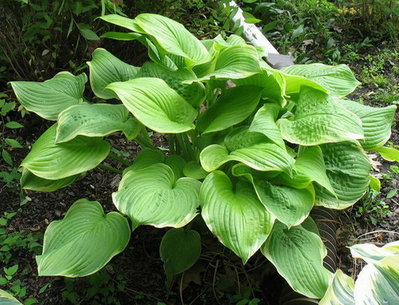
172,37
31,182
320,119
53,161
105,69
265,122
234,62
298,256
376,123
338,80
95,120
154,196
348,171
340,290
236,217
50,97
8,299
155,104
234,106
83,242
193,93
262,157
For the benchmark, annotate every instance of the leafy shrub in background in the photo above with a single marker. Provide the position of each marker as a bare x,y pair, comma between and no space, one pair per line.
251,151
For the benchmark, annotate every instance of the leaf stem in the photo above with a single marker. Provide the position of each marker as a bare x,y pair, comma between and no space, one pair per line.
110,169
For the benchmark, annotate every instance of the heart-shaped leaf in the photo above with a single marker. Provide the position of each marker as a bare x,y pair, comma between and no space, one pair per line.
83,242
95,120
337,80
153,196
156,105
298,256
376,123
235,216
320,119
105,69
179,251
348,171
53,161
50,97
234,106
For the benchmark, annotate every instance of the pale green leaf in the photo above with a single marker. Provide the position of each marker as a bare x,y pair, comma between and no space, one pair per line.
262,157
337,80
179,250
193,93
264,122
348,171
298,256
83,242
53,161
376,123
194,170
172,37
388,153
49,98
234,106
120,21
8,299
31,182
236,217
320,119
95,120
145,158
156,105
121,36
340,290
105,69
154,196
375,183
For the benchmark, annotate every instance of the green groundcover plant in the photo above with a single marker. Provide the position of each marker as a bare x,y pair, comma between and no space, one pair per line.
251,150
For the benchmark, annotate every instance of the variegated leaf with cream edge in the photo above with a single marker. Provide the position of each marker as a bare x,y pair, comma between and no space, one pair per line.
83,242
154,196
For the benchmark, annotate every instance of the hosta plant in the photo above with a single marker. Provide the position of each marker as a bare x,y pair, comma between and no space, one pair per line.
251,150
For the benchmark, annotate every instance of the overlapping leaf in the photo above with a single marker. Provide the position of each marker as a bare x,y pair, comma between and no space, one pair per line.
340,290
83,242
154,196
376,123
298,256
155,104
53,161
348,171
105,69
320,119
31,182
337,80
95,120
236,217
52,96
234,106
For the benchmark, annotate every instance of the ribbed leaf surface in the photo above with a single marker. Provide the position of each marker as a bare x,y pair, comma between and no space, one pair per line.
49,98
105,69
156,105
234,106
340,290
319,119
376,123
95,120
31,182
338,80
348,171
153,196
53,161
236,217
83,242
8,299
298,256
